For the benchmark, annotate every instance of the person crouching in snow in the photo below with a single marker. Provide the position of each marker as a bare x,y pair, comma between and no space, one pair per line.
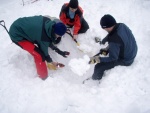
122,47
71,15
35,34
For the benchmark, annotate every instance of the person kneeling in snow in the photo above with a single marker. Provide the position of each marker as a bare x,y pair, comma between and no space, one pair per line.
72,15
122,47
35,34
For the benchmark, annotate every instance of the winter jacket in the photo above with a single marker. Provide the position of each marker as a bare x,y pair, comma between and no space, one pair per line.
122,45
36,29
76,21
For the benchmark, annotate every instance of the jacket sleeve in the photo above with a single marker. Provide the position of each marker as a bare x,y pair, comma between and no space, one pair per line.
52,46
44,49
77,24
114,50
63,18
55,49
62,15
105,40
48,58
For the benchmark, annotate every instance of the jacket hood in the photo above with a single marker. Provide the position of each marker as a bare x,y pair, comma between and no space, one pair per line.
49,30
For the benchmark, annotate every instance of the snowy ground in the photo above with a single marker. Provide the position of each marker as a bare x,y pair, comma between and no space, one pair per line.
122,89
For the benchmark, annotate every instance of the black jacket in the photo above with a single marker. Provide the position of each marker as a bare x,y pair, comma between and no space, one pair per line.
122,45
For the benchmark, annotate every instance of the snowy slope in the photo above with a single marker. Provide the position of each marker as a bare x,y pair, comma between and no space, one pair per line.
122,89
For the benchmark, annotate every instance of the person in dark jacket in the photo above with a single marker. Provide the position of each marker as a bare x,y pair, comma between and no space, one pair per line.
35,34
122,47
71,15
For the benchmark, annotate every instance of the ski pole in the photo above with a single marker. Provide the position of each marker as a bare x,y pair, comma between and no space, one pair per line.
2,21
73,39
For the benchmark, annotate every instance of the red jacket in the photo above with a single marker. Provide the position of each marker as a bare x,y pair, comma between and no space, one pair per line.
65,18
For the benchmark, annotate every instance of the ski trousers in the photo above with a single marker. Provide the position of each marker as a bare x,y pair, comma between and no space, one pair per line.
38,57
84,26
100,68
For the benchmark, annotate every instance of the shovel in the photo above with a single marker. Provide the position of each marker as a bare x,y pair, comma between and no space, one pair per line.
69,33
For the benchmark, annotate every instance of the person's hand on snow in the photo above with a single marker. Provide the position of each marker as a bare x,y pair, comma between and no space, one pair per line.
94,59
52,65
62,53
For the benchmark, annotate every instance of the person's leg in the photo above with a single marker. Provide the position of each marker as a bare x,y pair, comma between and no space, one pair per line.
38,58
101,67
84,26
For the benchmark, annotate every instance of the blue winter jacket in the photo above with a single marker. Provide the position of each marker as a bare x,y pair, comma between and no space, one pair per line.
122,45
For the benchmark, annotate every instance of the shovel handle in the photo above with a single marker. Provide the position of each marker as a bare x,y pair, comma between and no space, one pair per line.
72,37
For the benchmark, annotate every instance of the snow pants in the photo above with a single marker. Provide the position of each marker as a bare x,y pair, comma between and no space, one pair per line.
84,26
100,68
38,58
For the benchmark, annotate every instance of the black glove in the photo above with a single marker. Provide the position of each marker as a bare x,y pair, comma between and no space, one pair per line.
63,53
104,52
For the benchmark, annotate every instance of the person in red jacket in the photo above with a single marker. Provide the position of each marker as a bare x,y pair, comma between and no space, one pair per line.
71,15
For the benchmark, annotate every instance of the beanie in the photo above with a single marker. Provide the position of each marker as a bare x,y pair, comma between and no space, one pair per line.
107,21
60,28
73,4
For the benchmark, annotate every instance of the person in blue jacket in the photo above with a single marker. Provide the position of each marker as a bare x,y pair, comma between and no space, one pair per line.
122,47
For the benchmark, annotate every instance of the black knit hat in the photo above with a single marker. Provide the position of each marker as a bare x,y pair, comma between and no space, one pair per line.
73,4
107,21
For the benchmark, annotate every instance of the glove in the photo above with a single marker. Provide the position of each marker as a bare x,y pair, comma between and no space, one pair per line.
104,52
52,66
97,39
60,65
94,59
75,37
63,53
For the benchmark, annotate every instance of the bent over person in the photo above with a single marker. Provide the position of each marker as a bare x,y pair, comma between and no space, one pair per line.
35,34
71,15
122,47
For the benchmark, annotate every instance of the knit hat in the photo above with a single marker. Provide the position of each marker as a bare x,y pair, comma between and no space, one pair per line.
60,28
73,4
107,21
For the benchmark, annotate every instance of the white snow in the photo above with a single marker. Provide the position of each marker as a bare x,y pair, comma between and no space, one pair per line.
122,89
80,66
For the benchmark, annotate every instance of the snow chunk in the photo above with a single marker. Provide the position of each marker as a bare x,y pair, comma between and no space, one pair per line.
85,48
80,66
